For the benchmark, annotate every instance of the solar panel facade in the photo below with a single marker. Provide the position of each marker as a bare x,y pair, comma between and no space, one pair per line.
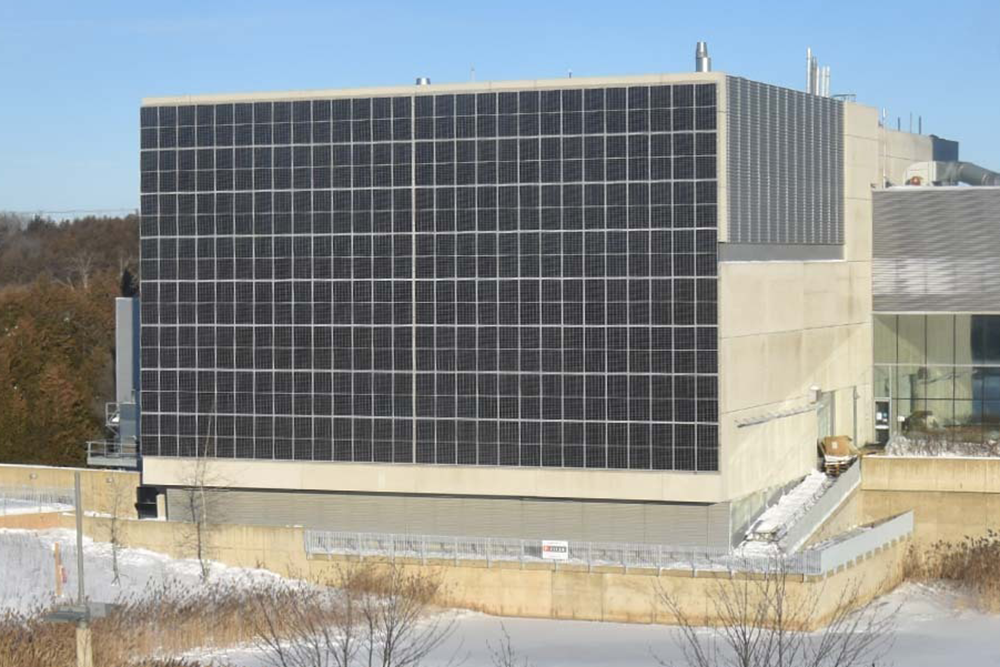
504,279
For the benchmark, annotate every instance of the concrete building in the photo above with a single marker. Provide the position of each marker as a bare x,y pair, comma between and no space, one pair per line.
616,308
937,313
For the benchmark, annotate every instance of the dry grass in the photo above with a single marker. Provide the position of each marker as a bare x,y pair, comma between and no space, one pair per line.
161,622
152,628
972,564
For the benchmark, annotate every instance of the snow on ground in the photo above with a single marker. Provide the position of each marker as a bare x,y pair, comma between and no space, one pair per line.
27,570
934,627
771,526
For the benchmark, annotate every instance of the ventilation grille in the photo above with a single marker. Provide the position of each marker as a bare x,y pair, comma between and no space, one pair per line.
935,249
785,171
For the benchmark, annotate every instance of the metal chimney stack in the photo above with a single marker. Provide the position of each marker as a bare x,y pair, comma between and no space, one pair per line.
702,62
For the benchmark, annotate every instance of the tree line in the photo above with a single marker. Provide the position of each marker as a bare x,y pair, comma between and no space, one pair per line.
58,281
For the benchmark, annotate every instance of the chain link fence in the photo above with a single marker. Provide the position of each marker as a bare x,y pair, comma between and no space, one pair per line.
28,499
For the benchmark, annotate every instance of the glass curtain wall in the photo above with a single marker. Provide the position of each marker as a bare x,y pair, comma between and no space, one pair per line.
941,374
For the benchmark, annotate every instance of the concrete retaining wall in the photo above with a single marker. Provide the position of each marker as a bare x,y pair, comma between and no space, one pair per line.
950,498
99,487
538,590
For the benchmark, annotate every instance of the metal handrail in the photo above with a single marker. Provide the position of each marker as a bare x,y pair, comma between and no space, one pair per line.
112,449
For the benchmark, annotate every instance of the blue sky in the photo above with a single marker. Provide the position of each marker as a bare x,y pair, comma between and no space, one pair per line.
72,74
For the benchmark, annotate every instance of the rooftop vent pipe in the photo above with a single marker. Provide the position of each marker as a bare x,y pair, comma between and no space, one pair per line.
702,62
423,81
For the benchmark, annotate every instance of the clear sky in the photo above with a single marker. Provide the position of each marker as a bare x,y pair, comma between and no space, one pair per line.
72,73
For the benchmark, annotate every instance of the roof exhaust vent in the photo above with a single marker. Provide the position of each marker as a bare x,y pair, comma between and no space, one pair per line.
702,62
423,81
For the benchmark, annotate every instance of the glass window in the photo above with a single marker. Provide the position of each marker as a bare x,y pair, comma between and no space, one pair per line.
940,339
911,343
938,382
883,382
986,339
909,381
964,343
884,333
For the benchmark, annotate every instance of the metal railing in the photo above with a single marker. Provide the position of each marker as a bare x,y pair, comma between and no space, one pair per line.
863,541
19,499
104,452
594,554
826,504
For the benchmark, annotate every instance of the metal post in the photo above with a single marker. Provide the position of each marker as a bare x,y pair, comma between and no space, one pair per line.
521,557
456,551
81,593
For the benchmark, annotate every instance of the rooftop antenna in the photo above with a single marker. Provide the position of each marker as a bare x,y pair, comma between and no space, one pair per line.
472,73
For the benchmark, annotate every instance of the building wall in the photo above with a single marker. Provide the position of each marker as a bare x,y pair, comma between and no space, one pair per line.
674,524
788,325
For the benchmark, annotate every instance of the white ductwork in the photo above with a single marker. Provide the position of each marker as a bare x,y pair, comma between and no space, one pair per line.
950,173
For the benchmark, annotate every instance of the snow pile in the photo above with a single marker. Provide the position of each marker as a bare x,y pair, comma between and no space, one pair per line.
764,535
27,565
900,445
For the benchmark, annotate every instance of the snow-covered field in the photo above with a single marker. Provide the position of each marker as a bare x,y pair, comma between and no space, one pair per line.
27,570
935,626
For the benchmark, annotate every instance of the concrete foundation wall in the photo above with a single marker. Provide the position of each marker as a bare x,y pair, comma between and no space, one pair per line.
951,499
102,490
538,590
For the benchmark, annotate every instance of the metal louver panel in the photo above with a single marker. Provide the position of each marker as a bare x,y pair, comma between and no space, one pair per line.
653,523
785,166
936,249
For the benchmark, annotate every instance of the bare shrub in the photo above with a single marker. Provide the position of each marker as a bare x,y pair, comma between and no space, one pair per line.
972,564
365,615
761,621
504,654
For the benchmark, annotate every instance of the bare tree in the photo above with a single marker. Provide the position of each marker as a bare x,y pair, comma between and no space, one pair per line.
366,616
201,499
120,491
762,622
503,654
81,265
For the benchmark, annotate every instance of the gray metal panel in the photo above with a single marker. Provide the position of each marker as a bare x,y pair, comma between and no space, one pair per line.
126,349
936,250
651,523
762,252
785,157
